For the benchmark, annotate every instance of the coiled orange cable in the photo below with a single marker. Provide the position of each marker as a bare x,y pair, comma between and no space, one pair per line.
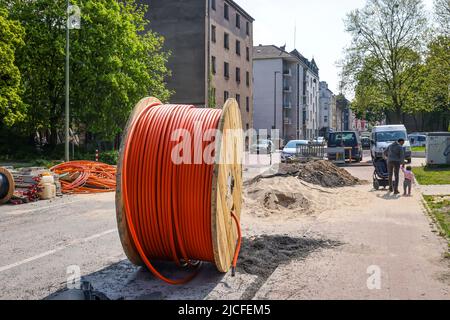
168,206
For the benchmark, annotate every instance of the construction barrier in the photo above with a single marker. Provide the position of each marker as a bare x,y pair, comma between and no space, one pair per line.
184,212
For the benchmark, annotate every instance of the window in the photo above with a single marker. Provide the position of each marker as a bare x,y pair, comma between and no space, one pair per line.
238,47
238,21
247,126
226,41
213,4
226,95
213,34
247,104
238,99
325,119
226,13
247,53
213,65
238,75
247,78
247,28
226,70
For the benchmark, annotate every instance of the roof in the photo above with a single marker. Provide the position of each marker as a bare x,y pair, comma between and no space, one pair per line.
310,64
270,52
273,52
240,10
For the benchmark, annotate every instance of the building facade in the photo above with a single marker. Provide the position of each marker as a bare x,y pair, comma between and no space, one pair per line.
210,42
327,110
286,92
309,89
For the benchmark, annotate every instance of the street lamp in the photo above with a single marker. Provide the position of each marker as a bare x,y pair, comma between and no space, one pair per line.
73,21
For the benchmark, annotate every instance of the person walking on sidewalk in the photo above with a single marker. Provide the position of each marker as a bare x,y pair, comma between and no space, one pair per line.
395,155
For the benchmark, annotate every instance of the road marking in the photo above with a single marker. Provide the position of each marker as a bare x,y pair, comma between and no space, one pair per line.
43,208
50,252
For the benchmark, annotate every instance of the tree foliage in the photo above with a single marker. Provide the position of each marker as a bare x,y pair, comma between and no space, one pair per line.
383,62
11,38
114,62
442,14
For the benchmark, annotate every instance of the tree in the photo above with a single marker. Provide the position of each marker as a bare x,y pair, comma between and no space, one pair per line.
383,61
114,63
11,38
442,14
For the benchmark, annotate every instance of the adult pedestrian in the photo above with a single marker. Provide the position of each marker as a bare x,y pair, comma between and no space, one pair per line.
395,155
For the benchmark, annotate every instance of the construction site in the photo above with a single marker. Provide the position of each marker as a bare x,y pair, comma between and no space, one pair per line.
157,228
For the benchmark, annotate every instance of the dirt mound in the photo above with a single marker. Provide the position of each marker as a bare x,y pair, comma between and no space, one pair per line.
262,255
326,174
280,201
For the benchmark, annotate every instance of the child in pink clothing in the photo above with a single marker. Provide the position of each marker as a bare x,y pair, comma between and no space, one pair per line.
409,178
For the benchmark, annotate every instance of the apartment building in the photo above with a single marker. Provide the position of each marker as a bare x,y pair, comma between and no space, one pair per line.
286,92
327,109
310,96
210,43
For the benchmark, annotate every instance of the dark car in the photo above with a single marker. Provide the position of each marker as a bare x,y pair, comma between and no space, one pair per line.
365,142
346,139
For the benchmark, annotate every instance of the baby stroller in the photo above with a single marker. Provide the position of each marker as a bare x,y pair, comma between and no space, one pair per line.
381,174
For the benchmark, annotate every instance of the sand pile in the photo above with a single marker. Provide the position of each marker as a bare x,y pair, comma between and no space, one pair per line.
289,197
321,172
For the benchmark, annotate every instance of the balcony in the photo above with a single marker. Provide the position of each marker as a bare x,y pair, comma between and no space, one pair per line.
287,121
287,73
287,89
287,105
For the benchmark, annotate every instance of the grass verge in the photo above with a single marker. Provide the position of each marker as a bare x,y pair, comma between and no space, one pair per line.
418,149
432,175
440,209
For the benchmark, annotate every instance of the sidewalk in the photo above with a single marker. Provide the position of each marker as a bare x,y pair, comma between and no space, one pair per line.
384,236
435,190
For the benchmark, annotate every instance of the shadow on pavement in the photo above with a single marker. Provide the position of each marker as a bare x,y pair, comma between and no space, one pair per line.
259,258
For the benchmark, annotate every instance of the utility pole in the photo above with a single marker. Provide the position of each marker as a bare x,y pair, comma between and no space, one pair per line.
67,156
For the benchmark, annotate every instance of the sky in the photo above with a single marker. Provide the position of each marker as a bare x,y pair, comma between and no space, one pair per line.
319,24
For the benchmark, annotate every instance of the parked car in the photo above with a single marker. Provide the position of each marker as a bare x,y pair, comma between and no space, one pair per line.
262,147
417,140
383,136
345,139
365,142
290,150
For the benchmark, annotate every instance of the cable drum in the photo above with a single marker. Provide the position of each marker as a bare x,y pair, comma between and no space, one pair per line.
179,184
7,185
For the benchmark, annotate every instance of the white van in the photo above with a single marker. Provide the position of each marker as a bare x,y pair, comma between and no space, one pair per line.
383,136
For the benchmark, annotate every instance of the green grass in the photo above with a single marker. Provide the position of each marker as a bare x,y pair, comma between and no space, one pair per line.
418,149
440,208
432,175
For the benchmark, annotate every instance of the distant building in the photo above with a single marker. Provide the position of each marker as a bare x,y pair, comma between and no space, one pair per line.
211,51
286,92
327,110
343,113
309,89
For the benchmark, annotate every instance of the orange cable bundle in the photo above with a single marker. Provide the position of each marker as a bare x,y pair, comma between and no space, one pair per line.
86,177
168,206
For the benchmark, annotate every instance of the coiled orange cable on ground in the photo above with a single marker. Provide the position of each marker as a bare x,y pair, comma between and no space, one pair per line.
86,177
167,205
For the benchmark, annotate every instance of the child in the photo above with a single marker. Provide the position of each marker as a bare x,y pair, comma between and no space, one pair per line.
409,178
